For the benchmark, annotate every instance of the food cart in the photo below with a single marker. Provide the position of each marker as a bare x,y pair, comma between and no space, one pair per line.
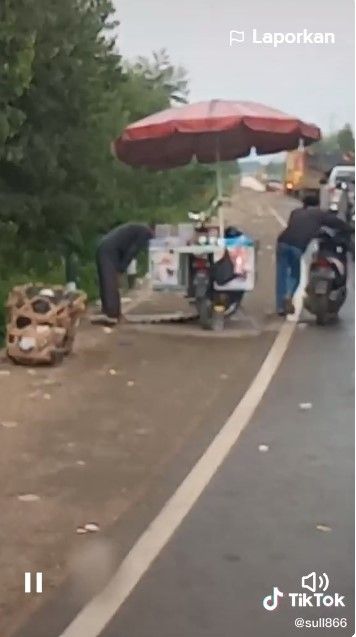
184,259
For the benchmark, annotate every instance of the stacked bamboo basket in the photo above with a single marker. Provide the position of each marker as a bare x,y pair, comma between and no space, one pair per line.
42,322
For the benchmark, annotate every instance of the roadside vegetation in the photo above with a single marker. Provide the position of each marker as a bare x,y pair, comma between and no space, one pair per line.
65,94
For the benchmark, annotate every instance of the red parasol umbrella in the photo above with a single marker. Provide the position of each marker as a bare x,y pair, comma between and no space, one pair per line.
219,129
210,132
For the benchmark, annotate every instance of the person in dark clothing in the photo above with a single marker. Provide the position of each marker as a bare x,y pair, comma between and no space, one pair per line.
114,254
303,226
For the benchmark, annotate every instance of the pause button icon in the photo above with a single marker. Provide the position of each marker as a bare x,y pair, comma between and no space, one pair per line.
28,583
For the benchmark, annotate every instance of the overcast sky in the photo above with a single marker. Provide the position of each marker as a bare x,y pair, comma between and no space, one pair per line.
315,82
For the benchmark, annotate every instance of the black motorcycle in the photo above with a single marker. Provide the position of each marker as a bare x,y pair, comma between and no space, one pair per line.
213,306
352,239
327,286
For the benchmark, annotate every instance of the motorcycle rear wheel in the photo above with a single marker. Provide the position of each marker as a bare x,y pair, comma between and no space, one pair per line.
321,310
206,313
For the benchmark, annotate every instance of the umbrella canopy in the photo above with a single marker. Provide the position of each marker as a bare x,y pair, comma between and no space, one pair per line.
210,131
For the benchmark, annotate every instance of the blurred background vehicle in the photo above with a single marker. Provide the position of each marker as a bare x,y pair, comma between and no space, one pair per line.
274,185
306,168
341,188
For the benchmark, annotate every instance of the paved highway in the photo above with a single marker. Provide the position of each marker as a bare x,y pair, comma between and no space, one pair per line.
268,518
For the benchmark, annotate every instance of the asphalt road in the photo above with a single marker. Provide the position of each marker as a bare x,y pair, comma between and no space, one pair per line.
256,525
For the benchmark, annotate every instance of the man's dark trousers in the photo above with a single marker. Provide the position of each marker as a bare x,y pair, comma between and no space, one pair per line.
108,270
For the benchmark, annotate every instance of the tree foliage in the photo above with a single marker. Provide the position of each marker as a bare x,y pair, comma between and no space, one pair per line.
345,139
17,42
163,77
68,94
65,94
340,141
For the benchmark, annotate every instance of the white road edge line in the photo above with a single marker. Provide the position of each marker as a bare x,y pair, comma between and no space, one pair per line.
93,618
277,216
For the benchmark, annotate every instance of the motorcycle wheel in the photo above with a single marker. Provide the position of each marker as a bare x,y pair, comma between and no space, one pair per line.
321,311
206,313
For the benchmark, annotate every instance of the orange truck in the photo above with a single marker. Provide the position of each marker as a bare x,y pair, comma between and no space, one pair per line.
305,168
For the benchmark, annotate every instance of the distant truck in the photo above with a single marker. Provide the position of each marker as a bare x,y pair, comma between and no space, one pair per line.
305,168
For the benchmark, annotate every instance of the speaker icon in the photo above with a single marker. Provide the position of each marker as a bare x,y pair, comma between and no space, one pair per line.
313,582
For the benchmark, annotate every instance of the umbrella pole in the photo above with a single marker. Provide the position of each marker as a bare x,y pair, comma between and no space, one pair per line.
219,188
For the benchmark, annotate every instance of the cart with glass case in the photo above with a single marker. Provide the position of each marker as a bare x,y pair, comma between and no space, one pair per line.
211,270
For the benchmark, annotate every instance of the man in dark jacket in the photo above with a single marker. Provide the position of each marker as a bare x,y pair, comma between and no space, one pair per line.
303,226
115,252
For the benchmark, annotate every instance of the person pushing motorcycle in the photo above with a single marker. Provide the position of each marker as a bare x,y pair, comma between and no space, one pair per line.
303,226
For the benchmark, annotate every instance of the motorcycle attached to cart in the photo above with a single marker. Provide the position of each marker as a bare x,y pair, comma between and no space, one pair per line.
212,272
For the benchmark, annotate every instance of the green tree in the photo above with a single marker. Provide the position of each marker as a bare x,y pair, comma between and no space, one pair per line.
17,42
163,76
345,139
52,189
146,194
65,94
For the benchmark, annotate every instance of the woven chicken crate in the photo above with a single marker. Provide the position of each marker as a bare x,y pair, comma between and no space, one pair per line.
42,323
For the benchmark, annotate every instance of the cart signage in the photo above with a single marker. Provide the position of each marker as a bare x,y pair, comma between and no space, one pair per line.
164,268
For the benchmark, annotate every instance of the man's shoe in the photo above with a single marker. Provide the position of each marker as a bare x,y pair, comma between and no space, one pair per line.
123,320
288,306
